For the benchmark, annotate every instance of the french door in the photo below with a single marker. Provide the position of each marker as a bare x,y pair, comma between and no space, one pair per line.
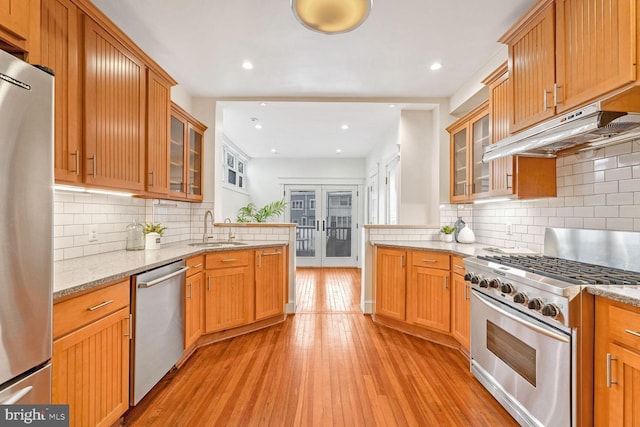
326,225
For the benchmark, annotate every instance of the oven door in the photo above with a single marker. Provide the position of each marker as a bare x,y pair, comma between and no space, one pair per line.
525,364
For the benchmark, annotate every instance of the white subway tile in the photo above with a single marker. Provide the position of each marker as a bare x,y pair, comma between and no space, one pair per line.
621,224
592,177
629,185
629,159
595,223
606,163
606,211
617,174
615,150
583,212
574,223
605,187
586,166
595,200
632,211
620,199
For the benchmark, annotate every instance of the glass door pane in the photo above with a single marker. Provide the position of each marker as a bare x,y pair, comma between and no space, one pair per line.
338,223
176,154
303,212
460,163
480,141
195,162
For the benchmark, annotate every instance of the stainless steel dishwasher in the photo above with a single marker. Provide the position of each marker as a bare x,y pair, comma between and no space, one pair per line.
159,326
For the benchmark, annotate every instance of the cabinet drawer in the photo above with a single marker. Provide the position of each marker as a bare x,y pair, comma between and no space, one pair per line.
429,259
195,264
74,313
624,326
228,259
457,266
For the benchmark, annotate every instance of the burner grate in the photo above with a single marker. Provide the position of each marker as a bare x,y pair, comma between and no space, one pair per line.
574,272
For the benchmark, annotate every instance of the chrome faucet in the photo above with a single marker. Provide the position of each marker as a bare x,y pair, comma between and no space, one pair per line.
205,236
231,236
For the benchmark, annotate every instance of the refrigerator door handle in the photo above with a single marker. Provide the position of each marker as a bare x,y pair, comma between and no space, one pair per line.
17,397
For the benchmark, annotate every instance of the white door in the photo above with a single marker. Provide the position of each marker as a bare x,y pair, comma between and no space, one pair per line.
326,231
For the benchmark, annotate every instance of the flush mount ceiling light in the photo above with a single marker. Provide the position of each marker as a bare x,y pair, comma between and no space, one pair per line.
435,66
258,126
338,151
344,127
331,16
247,65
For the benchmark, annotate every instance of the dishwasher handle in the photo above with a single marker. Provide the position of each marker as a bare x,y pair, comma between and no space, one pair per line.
162,279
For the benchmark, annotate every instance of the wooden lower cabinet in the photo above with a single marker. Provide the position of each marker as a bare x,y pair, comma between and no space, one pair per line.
423,293
429,298
617,364
391,283
460,303
193,314
229,290
91,363
269,273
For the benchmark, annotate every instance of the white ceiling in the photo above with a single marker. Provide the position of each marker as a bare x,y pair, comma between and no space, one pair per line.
202,44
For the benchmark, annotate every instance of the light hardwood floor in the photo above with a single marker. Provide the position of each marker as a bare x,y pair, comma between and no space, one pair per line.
327,365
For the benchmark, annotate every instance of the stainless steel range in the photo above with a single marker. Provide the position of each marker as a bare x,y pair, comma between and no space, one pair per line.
526,320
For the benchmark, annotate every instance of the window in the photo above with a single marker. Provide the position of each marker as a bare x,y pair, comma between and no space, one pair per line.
235,169
312,204
297,204
303,221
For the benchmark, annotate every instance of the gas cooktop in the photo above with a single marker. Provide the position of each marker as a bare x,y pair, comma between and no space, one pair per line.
574,272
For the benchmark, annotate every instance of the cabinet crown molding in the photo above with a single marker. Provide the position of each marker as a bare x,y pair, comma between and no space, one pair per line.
521,23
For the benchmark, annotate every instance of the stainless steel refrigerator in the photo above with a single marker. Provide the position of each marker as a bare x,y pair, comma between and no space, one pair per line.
26,238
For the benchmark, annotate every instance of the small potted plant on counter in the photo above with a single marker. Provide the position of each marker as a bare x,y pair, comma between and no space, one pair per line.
447,233
153,235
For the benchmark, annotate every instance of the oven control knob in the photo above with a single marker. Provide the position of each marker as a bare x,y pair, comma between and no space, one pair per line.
551,310
520,298
468,277
484,283
507,288
475,279
536,304
495,283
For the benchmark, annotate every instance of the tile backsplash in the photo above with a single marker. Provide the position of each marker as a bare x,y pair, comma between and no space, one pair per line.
598,189
75,214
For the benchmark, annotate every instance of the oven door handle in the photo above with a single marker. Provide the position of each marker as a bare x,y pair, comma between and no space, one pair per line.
517,319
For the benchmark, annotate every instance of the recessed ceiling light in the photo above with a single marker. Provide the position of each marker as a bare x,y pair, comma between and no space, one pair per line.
344,127
274,151
247,65
392,105
338,151
435,66
258,126
263,104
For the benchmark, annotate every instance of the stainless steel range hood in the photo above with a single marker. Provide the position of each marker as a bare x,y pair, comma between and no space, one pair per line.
590,126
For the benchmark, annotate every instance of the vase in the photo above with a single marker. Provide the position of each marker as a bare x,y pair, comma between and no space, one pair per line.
447,238
152,241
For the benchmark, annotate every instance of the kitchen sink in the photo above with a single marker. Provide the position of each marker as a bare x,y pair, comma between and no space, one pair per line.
217,244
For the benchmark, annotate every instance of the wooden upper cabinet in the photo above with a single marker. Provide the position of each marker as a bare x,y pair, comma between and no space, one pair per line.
186,146
114,112
20,28
595,49
524,177
469,177
14,17
60,38
158,128
501,180
532,66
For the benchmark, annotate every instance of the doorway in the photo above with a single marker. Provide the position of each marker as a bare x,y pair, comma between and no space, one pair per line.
326,225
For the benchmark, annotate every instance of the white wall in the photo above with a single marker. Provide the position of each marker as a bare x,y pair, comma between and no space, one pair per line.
181,97
266,176
419,157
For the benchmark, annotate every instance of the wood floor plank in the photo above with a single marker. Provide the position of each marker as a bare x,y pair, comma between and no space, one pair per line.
327,365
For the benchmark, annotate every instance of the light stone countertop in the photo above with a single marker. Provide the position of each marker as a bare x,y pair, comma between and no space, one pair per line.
461,249
626,294
79,274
